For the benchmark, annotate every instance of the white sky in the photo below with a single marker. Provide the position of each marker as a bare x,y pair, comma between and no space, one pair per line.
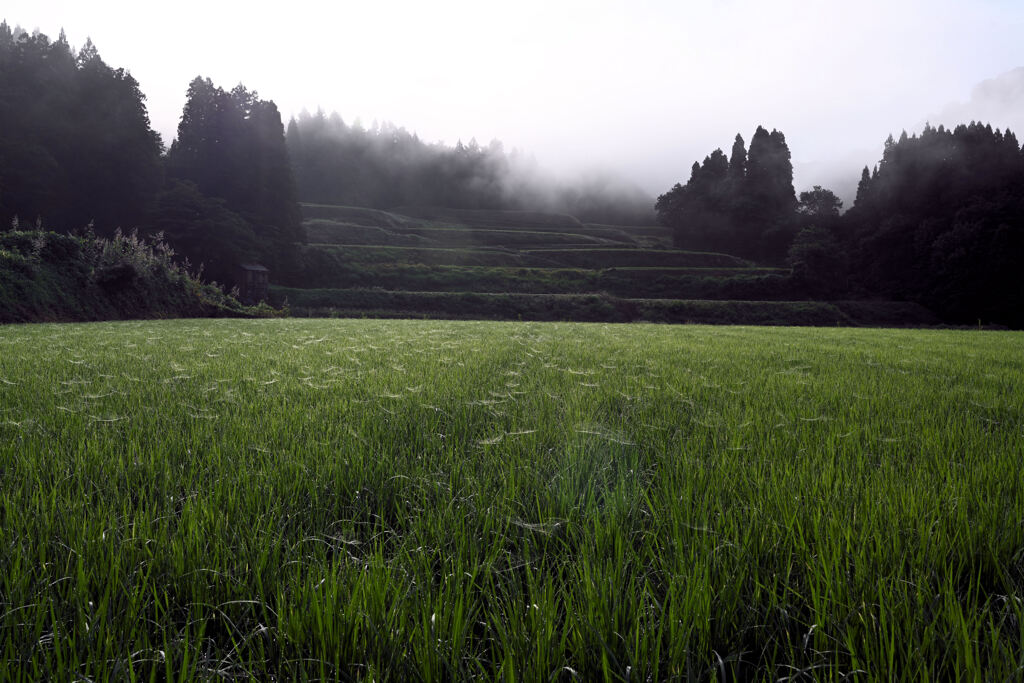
639,87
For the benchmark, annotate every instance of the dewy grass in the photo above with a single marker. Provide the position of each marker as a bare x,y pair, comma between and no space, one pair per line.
398,500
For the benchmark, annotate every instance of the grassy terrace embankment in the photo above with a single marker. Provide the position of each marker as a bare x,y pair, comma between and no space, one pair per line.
382,303
331,232
333,270
601,258
431,227
450,263
401,500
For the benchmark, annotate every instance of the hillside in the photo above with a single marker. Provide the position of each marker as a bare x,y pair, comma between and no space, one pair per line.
46,276
452,263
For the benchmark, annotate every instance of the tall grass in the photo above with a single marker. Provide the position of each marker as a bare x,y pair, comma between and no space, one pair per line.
345,500
46,276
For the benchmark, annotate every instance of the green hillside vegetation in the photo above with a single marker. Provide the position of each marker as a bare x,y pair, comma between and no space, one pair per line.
534,220
664,261
378,302
696,283
438,501
338,224
631,258
51,276
440,256
450,263
333,232
355,215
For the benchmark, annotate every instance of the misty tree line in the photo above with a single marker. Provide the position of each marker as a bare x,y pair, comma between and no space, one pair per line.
229,165
743,204
75,139
386,166
940,220
77,151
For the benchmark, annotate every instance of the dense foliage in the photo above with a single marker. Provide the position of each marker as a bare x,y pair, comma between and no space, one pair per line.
743,204
51,276
941,221
231,146
386,166
75,140
77,149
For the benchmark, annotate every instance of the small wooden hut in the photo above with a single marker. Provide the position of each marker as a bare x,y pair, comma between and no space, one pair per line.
253,280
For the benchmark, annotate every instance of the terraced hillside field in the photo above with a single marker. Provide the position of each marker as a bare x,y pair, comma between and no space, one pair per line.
514,264
447,501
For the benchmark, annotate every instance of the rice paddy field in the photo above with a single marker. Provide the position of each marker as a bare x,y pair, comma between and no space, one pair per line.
440,501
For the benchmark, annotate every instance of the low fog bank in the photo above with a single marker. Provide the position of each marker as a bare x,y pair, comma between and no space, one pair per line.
997,101
385,166
839,175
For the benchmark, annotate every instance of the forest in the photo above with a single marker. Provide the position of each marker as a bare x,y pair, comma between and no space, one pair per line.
938,221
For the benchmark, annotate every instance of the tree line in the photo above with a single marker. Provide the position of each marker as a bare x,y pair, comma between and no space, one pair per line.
77,151
939,221
75,141
385,166
743,204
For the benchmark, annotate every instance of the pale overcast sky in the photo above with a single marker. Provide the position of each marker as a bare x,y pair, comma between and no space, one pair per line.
639,87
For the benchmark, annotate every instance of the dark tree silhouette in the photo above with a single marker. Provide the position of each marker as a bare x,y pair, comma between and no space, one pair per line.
769,199
941,221
76,144
203,230
743,205
231,145
864,185
738,163
819,203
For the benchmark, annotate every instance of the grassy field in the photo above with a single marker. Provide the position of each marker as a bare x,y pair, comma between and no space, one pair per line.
331,270
401,500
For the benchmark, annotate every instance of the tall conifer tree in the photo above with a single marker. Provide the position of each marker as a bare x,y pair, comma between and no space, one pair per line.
232,146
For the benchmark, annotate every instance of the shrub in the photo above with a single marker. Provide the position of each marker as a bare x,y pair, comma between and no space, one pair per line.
49,276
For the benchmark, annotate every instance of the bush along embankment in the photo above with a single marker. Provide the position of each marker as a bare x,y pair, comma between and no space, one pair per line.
45,276
602,307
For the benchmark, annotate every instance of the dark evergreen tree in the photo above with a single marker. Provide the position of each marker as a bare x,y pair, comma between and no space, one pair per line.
863,185
231,145
769,200
203,230
941,221
738,162
743,205
76,145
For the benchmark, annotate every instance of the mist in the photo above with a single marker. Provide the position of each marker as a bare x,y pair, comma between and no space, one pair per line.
638,90
387,167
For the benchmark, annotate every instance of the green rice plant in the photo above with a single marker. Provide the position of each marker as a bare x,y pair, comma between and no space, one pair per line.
435,501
